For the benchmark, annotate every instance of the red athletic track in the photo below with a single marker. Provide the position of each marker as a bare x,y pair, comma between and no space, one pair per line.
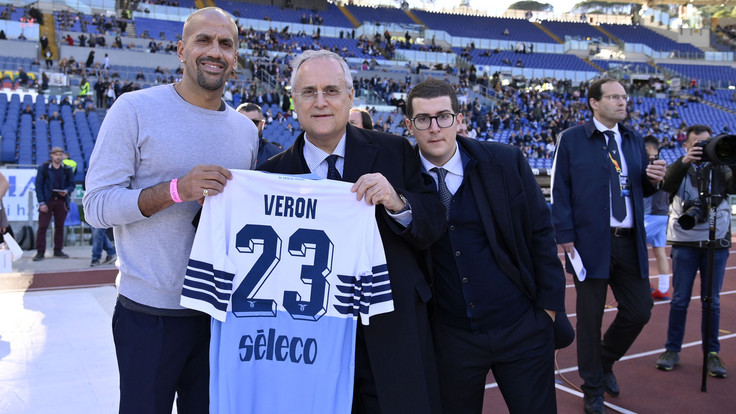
645,389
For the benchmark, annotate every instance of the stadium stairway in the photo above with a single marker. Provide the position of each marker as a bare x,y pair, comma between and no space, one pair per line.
549,33
715,105
590,62
414,17
349,15
659,68
610,36
209,3
654,65
130,29
47,28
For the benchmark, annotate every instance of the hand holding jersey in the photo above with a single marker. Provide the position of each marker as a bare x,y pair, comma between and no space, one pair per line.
203,177
376,189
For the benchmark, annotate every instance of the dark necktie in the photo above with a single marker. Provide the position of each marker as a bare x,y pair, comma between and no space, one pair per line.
618,204
332,173
442,190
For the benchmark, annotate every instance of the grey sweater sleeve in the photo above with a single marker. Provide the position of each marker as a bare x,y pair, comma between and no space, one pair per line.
110,200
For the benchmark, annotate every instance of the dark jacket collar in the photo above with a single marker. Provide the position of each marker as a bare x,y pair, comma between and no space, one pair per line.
360,154
590,129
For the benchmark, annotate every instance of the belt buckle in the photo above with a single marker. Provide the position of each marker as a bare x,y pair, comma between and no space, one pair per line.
620,232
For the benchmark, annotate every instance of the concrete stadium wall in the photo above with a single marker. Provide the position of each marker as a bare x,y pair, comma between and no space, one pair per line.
697,37
110,39
19,48
297,4
119,57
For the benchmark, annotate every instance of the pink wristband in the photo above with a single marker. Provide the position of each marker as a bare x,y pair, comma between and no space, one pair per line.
174,191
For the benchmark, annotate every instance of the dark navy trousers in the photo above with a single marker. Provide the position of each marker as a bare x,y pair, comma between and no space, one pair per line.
159,357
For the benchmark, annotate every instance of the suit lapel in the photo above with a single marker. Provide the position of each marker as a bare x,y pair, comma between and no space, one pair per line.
633,157
360,154
487,184
293,161
490,195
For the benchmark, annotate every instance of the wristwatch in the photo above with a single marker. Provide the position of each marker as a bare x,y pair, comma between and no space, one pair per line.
406,204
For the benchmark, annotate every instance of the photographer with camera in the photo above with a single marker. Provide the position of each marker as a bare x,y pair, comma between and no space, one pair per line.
688,182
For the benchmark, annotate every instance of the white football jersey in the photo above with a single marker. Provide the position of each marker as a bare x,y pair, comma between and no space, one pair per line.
284,265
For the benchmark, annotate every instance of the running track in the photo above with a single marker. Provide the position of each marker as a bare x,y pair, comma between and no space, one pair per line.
645,389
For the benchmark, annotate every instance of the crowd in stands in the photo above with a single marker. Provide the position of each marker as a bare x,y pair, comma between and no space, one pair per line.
382,46
172,3
526,113
726,35
7,13
285,41
96,23
141,6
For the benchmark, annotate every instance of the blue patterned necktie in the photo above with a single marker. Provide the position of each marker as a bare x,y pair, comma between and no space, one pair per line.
332,173
442,190
618,204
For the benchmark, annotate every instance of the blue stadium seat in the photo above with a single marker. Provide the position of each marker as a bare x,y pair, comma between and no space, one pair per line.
641,34
74,223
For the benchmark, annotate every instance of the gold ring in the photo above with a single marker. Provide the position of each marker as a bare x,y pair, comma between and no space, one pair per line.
205,192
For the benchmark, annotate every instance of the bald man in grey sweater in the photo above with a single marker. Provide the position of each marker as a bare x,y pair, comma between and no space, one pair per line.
159,152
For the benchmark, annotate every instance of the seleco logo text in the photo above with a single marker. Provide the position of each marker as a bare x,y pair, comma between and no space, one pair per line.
280,348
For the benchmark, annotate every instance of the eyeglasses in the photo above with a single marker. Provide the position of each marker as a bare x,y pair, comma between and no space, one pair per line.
444,120
615,98
309,94
257,121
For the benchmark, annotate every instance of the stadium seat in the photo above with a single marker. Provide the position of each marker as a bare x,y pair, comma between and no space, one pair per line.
73,225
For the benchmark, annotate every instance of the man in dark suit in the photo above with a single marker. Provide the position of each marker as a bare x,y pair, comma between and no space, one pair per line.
498,283
601,175
395,370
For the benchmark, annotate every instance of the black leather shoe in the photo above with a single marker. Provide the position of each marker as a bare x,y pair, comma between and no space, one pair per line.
594,404
610,384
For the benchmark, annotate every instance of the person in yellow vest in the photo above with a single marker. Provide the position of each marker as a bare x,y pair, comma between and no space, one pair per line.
69,162
84,88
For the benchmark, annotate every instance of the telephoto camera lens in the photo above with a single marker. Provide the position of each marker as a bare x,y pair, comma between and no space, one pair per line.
693,213
719,150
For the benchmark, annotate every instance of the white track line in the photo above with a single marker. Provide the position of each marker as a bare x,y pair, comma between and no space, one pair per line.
641,355
580,394
650,277
659,302
562,254
606,403
625,358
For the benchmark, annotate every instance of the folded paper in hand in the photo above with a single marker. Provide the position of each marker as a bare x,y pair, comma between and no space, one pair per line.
13,246
577,264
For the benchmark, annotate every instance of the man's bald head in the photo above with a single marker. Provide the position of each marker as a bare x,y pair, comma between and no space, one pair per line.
204,14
